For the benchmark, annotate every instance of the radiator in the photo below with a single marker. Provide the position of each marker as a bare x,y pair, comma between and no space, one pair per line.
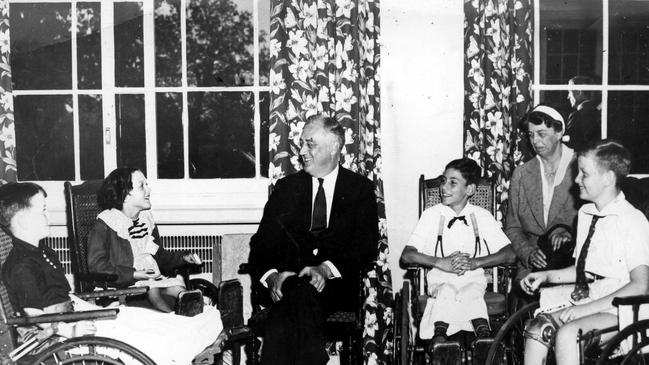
203,246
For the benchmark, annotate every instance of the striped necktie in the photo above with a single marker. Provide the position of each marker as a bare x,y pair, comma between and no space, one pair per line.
581,283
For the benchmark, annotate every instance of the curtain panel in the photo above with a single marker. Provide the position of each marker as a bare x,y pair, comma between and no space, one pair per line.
497,87
325,59
7,135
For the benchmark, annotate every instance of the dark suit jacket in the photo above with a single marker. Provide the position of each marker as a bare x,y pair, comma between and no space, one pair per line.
584,125
524,223
283,240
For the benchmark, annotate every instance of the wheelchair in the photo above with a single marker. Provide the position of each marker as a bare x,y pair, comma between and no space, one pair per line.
37,349
630,345
410,302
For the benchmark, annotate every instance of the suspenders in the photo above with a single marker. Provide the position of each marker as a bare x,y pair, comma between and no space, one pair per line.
476,233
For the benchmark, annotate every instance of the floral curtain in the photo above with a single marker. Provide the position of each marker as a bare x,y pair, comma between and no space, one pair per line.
497,86
325,59
7,140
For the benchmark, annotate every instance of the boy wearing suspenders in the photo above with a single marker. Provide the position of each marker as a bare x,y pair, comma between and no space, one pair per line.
455,240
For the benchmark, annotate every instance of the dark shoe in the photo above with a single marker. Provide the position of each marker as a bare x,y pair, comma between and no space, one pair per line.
481,327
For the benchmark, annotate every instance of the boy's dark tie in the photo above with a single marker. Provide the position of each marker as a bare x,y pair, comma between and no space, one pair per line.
581,284
319,217
454,219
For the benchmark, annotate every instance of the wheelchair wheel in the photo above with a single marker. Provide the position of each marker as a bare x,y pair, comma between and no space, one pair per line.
630,346
509,342
208,289
402,325
92,350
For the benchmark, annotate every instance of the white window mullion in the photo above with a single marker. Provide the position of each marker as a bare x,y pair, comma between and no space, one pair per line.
108,86
149,89
605,54
183,67
257,117
75,95
537,52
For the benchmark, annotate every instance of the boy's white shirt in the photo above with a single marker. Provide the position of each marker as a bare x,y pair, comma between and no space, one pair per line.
459,237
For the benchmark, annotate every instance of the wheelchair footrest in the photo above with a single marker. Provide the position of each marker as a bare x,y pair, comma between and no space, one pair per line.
446,353
480,349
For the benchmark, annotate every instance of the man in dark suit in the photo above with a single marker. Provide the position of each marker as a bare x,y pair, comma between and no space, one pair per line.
584,123
318,230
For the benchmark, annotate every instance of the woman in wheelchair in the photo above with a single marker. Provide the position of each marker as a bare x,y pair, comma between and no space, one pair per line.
456,240
123,240
36,284
612,260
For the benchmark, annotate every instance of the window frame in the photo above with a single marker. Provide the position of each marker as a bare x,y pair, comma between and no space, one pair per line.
604,87
175,201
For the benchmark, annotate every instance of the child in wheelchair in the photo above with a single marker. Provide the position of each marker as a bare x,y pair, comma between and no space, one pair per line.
611,260
455,240
36,284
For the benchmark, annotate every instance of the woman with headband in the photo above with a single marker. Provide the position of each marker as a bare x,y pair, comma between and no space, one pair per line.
541,194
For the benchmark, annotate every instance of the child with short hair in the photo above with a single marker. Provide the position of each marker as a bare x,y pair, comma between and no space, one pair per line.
36,284
611,260
456,239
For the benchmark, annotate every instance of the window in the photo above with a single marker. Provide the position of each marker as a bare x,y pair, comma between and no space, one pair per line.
608,42
178,88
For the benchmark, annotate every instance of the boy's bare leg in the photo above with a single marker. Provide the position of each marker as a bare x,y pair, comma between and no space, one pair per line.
535,352
155,297
566,346
173,291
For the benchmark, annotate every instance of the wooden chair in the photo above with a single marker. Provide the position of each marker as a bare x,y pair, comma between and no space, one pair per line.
342,326
82,210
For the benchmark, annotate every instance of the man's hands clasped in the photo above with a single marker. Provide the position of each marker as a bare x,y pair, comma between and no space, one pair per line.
318,274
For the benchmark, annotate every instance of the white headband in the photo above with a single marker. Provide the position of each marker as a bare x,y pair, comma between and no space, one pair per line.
552,113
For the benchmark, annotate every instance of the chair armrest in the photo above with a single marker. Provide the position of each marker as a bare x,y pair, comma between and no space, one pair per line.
237,334
113,293
631,300
108,313
244,268
92,277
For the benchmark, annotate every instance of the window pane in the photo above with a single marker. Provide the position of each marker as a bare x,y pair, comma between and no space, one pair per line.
129,51
628,122
169,128
219,43
571,34
264,110
44,137
41,56
167,43
629,42
221,135
264,42
89,45
131,140
91,143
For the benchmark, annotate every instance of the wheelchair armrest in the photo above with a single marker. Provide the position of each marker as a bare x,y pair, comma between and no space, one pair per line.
99,277
244,268
108,313
110,293
631,300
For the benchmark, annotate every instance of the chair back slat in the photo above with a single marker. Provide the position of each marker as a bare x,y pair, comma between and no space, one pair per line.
6,244
82,210
429,194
